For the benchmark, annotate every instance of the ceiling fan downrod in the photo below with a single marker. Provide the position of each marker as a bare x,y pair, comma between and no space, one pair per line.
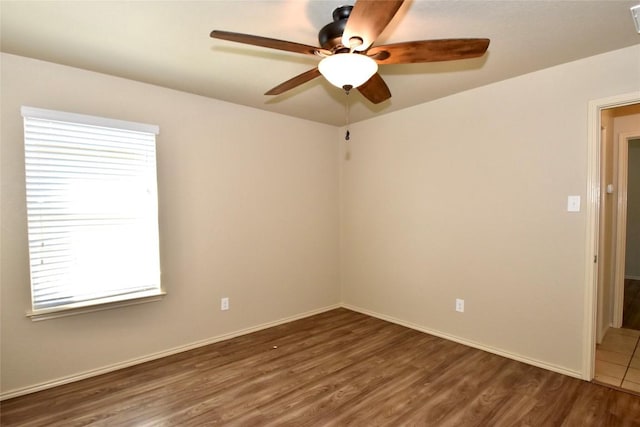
330,36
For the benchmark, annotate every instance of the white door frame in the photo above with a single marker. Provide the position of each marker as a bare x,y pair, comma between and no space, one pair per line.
592,217
621,229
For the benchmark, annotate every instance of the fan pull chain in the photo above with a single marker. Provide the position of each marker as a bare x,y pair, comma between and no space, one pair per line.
346,111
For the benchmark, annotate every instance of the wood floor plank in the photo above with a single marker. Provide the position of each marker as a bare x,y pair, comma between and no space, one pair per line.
333,369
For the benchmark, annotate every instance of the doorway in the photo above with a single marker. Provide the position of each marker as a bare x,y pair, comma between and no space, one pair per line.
617,343
627,284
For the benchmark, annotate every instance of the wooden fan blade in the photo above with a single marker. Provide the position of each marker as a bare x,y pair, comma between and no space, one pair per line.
429,51
265,42
367,20
294,82
375,89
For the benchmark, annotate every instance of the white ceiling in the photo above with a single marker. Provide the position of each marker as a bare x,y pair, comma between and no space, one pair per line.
167,43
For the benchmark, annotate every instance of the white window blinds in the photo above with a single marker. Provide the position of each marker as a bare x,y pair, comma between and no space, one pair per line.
91,209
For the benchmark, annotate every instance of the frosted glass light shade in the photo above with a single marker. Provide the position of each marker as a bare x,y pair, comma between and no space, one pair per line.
347,69
635,13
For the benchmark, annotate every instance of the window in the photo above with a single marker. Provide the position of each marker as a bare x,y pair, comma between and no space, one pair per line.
92,211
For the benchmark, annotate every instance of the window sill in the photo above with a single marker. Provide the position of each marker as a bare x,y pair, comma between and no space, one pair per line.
92,306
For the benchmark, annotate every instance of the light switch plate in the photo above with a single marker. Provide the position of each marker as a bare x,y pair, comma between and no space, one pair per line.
573,204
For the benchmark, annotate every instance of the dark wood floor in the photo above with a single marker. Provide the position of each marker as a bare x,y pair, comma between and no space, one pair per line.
631,309
337,368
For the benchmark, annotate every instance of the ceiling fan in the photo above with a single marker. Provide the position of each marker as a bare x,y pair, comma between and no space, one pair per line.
349,59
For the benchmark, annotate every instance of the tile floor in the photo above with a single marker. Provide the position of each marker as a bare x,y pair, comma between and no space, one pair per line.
618,359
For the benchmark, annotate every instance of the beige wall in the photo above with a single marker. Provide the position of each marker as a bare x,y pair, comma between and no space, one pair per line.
627,120
465,197
607,225
248,210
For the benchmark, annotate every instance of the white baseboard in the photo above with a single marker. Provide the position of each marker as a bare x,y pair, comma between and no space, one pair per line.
603,333
628,276
469,343
114,367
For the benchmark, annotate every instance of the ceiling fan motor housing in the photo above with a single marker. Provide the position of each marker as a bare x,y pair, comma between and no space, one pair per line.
330,36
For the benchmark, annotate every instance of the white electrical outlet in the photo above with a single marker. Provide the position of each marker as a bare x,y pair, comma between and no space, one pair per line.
460,305
224,303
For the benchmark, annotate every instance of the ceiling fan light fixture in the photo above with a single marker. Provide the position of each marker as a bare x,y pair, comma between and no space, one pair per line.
347,69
